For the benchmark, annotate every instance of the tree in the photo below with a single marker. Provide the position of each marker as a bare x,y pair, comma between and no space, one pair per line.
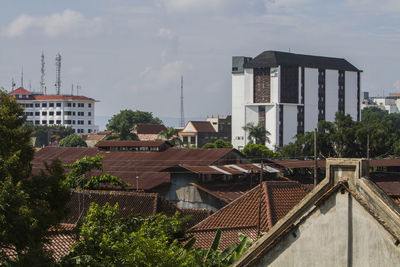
123,122
78,175
73,140
257,133
218,144
107,239
171,134
256,152
29,204
46,134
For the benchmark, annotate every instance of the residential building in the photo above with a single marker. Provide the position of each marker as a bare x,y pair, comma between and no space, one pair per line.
289,93
198,133
73,111
148,132
346,220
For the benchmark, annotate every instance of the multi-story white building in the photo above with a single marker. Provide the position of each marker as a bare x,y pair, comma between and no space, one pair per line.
289,93
68,110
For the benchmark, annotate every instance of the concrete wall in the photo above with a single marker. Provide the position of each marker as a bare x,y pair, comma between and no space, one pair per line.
340,232
271,124
331,94
251,117
238,110
350,89
310,99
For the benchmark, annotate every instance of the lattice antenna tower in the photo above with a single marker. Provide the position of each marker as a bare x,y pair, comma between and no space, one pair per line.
182,122
58,73
42,85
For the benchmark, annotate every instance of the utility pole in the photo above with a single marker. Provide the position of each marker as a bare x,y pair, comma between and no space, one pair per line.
259,201
315,158
182,121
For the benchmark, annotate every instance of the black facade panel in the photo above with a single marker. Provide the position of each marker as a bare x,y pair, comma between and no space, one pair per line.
289,84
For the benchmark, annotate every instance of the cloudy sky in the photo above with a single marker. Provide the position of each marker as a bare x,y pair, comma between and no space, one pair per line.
130,54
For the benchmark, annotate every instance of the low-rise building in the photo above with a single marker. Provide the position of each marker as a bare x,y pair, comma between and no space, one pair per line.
73,111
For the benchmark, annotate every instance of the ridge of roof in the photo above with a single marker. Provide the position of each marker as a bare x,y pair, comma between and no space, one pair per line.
20,91
267,202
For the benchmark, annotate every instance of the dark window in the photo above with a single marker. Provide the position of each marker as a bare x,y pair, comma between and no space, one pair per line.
51,105
58,113
44,105
81,105
51,113
44,122
44,113
289,84
280,125
37,105
51,121
73,104
89,122
67,121
68,113
321,94
73,122
89,113
58,105
37,113
73,113
89,131
69,104
37,122
192,140
89,105
58,121
261,115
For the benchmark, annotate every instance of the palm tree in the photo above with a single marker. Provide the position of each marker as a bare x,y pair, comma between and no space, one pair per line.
257,133
170,134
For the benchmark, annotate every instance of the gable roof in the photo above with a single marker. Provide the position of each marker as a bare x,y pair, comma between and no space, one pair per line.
142,128
203,126
20,91
345,174
277,198
277,58
127,165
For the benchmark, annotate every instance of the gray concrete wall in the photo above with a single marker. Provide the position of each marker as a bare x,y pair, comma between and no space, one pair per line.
340,232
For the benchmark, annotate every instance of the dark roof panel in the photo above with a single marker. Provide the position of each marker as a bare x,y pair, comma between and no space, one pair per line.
276,58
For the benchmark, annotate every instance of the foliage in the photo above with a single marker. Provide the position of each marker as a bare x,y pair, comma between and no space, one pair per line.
106,239
257,153
73,140
78,178
214,257
123,122
218,144
171,134
257,133
46,134
29,204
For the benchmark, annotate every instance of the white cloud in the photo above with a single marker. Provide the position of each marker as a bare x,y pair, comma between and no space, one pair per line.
373,6
69,23
186,5
284,4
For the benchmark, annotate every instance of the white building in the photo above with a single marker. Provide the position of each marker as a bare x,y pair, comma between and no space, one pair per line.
289,93
68,110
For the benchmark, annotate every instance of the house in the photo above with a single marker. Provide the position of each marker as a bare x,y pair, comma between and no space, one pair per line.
148,132
346,220
68,110
253,213
199,133
289,93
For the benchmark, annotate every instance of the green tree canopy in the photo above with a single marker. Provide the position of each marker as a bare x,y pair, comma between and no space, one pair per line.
48,133
29,204
106,239
72,140
257,153
257,133
123,122
218,144
171,134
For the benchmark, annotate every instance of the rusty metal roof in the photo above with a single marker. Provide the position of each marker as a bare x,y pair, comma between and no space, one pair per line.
129,143
203,126
295,163
142,128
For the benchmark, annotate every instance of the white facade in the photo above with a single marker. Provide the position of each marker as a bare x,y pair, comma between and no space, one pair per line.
76,112
320,86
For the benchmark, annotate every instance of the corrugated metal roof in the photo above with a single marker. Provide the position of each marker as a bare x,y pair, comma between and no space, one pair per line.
142,128
129,143
203,126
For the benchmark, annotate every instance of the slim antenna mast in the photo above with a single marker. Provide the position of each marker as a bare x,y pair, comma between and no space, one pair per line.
78,87
42,74
58,73
22,77
12,83
182,122
72,89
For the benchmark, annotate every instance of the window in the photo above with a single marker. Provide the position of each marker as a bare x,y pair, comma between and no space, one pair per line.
58,104
73,113
58,121
89,122
89,131
73,130
192,140
58,113
37,113
37,122
44,105
81,113
73,104
44,113
68,113
44,122
67,121
81,105
89,114
51,105
73,122
51,113
37,105
69,104
89,105
51,121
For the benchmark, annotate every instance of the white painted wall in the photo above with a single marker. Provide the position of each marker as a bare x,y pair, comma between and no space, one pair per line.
331,94
238,109
248,86
275,87
350,99
310,99
271,125
289,123
251,117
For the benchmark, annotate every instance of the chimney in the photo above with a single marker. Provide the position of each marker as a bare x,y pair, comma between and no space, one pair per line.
346,169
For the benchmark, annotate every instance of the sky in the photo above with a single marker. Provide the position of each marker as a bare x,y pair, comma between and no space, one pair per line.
131,54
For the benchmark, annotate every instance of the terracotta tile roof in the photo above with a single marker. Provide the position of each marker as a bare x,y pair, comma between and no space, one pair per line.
127,165
20,91
196,215
224,192
61,240
130,203
203,126
142,128
277,198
